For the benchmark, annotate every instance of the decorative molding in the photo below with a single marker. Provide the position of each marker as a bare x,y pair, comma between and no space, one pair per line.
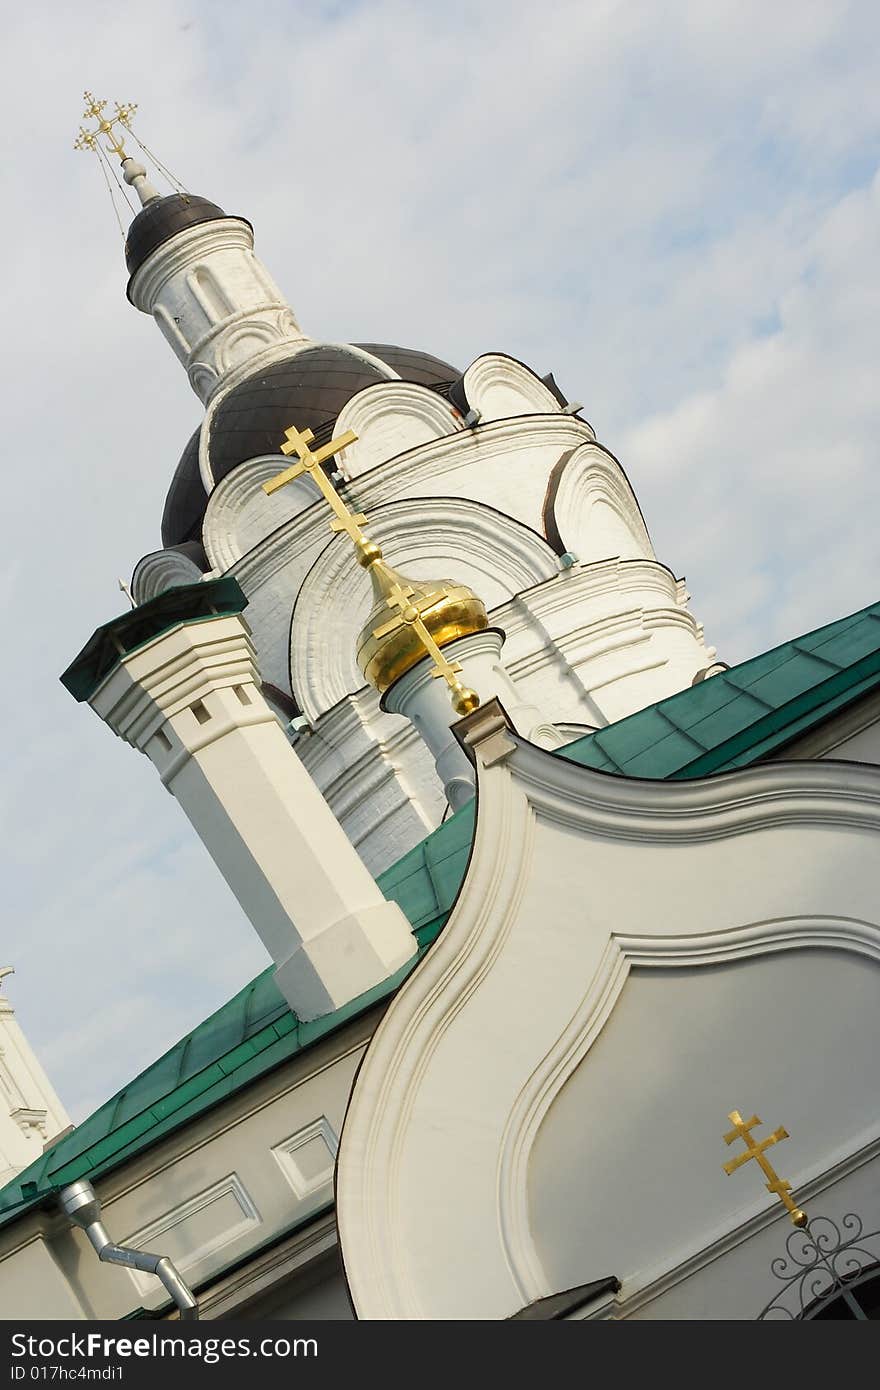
428,538
153,1237
201,241
240,516
268,1270
370,1164
585,481
500,387
470,984
317,1134
426,472
29,1120
390,418
573,1044
161,570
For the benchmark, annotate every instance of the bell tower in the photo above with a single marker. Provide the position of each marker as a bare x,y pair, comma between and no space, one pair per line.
192,267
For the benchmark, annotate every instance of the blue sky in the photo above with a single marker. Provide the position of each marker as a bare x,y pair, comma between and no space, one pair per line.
675,208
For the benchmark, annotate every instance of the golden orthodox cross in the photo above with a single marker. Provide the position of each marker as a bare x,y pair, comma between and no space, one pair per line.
297,442
398,595
755,1149
88,139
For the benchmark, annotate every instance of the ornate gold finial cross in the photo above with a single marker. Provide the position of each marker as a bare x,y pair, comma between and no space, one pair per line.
412,613
755,1149
88,139
400,596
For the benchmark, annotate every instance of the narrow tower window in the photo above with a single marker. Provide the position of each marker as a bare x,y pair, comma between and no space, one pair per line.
210,296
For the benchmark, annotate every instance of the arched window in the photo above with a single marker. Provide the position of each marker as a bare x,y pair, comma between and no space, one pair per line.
212,299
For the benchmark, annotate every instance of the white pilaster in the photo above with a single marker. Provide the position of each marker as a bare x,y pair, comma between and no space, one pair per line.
423,699
30,1111
190,700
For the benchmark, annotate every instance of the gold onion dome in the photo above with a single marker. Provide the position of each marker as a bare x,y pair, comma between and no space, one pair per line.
390,644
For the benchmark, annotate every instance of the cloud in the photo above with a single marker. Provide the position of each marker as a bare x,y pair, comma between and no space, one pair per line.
672,207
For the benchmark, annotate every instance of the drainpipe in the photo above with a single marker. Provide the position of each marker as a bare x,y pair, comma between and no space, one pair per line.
80,1203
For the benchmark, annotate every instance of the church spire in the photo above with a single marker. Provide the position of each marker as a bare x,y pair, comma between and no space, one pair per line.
192,267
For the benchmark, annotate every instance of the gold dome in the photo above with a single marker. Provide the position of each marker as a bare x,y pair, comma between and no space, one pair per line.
389,644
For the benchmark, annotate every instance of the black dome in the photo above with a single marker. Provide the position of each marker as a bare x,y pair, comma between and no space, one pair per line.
162,219
307,390
186,500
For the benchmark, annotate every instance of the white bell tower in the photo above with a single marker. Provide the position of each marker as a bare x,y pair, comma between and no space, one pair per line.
192,268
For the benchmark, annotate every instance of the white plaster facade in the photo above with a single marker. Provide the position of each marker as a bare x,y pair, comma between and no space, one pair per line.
542,1108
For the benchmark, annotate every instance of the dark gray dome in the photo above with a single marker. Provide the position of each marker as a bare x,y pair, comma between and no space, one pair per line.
162,219
307,390
186,500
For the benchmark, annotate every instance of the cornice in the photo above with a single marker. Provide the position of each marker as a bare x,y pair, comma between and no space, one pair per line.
176,254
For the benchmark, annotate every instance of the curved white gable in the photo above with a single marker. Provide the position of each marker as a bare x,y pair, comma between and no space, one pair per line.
161,570
389,419
434,538
240,515
575,878
592,511
499,386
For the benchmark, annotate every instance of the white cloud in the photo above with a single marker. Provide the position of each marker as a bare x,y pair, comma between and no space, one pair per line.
670,206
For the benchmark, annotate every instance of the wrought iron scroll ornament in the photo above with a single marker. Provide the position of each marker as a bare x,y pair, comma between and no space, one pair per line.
823,1262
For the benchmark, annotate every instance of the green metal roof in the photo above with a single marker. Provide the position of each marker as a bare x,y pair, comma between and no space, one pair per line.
746,713
728,721
249,1035
183,603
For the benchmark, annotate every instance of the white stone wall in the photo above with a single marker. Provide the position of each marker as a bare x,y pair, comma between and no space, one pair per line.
523,505
590,639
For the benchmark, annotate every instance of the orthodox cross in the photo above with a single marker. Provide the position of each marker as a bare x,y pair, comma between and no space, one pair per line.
397,592
296,442
742,1129
88,138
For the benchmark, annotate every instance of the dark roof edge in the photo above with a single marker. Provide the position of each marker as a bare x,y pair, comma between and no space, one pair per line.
559,1305
112,641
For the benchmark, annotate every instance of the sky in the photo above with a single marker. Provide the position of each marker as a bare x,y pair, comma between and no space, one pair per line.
673,206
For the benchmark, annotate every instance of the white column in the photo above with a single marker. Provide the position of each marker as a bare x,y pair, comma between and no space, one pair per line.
190,700
423,699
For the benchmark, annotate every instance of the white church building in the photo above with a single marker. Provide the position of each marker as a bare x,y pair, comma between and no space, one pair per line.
552,893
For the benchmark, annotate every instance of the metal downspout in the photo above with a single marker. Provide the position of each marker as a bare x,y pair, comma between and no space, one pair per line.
79,1202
